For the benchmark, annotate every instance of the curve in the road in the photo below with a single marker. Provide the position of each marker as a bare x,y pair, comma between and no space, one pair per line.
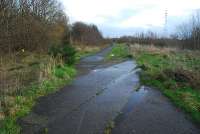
98,96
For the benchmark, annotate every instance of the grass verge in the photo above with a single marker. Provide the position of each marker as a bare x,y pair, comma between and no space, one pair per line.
28,76
20,102
175,72
119,51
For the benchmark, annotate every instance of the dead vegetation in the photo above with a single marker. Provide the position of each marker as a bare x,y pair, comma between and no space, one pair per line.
184,77
19,73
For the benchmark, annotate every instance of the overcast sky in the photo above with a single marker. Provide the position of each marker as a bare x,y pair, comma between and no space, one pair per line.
124,17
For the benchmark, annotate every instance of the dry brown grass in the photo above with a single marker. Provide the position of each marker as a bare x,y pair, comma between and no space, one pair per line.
89,48
163,50
173,62
20,71
152,48
185,59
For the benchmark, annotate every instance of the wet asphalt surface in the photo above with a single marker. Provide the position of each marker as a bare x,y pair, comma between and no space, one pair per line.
101,93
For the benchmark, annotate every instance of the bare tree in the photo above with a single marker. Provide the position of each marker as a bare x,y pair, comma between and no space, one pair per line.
31,24
189,32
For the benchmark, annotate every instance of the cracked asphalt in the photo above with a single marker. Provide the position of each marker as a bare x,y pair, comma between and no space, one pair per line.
103,92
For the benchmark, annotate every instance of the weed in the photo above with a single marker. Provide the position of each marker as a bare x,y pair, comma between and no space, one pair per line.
64,72
46,131
175,73
53,75
109,127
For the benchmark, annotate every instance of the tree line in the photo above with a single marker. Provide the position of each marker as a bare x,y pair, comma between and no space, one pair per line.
87,34
151,38
187,36
38,24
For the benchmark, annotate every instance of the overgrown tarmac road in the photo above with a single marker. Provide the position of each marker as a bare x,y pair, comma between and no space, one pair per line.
102,93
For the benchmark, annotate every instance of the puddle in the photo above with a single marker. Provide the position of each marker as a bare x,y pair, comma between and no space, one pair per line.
134,100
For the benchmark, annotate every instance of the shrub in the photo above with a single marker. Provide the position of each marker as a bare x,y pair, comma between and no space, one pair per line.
54,50
67,52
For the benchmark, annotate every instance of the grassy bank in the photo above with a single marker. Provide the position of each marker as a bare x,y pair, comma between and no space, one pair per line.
28,76
175,72
35,76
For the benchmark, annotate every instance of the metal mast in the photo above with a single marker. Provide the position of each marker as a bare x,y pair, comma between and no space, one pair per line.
166,21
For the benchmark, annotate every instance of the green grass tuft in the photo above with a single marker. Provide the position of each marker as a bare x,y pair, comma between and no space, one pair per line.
119,51
64,72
